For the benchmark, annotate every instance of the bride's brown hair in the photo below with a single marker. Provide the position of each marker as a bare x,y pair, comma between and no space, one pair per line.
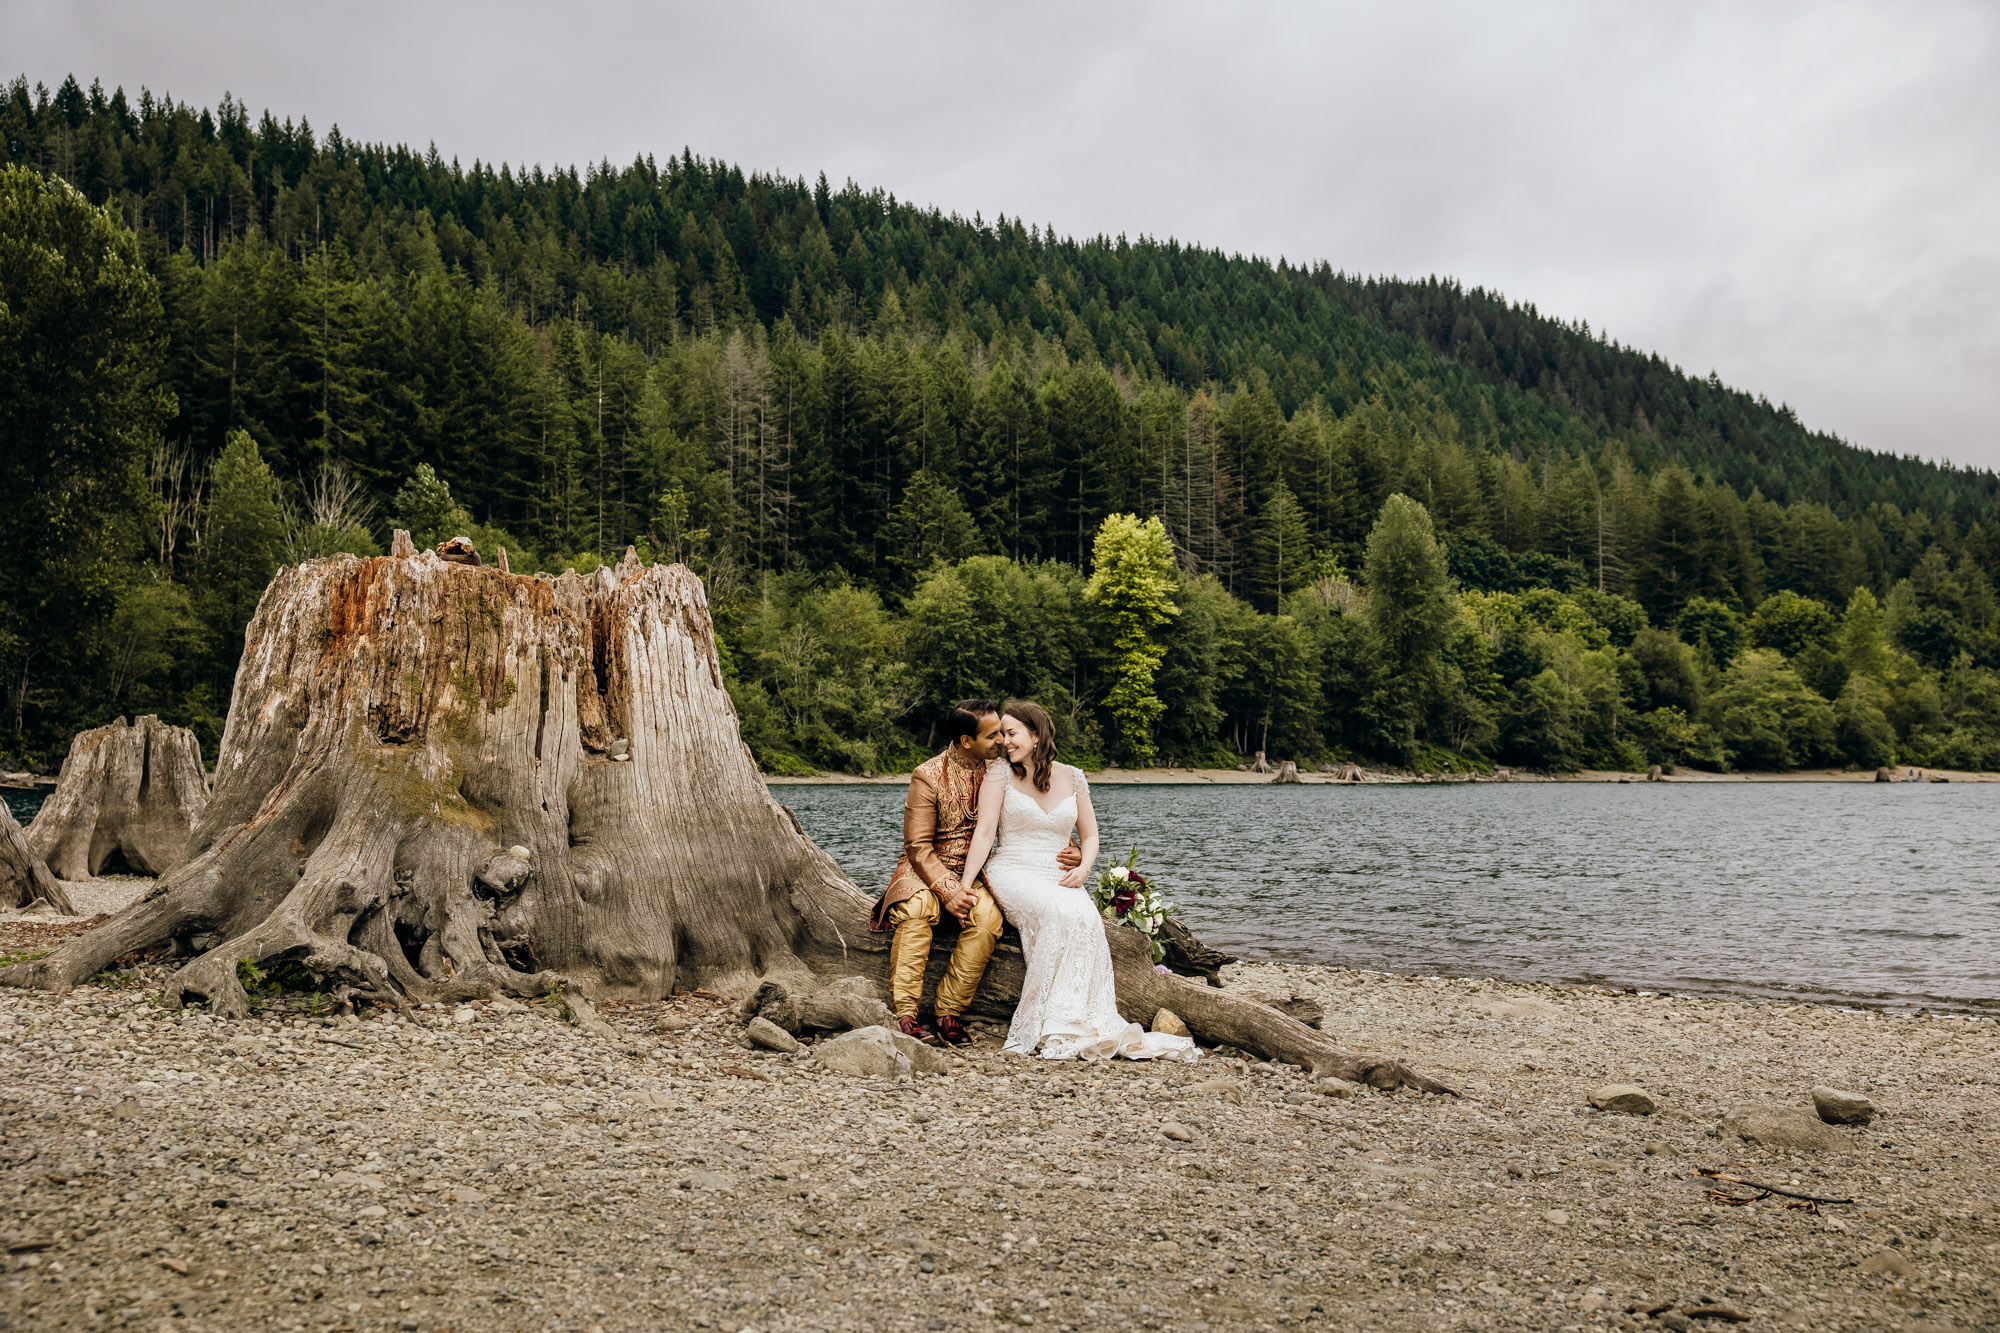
1036,719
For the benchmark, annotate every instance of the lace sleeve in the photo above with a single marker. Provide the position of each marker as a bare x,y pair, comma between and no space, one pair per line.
1082,783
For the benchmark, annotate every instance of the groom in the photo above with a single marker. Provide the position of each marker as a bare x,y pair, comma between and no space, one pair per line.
938,819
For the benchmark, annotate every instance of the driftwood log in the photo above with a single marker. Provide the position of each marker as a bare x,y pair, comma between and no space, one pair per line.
127,801
1188,956
443,781
24,877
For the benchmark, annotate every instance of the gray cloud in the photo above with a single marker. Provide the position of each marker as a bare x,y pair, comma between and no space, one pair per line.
1805,198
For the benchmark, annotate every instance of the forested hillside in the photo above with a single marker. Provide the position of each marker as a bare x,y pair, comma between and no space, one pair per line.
895,443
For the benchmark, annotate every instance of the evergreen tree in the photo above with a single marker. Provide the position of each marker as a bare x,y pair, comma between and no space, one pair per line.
424,508
80,338
930,525
1411,610
241,540
1409,589
1281,556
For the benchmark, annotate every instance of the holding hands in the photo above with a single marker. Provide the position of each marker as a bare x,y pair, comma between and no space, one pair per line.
957,898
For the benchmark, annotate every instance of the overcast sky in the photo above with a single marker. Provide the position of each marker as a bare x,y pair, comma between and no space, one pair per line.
1804,198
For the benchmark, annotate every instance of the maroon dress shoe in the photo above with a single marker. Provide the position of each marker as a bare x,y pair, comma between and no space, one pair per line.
952,1032
912,1028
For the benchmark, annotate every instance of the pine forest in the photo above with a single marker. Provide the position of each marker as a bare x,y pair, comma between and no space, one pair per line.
1198,504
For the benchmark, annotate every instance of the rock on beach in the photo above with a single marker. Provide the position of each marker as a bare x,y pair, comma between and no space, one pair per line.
1622,1099
1782,1127
1839,1107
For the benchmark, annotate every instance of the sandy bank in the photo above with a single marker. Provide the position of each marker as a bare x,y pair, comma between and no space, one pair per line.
494,1168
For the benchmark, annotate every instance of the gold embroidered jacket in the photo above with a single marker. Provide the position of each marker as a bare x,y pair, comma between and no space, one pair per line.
938,819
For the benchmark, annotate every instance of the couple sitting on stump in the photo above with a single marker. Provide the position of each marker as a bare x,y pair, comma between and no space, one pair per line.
987,837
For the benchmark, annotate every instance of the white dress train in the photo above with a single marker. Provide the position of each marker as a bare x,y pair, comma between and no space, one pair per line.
1069,1004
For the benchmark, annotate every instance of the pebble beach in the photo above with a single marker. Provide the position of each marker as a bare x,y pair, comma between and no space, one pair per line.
493,1167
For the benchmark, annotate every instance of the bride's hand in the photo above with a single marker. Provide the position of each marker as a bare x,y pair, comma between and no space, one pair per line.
1073,880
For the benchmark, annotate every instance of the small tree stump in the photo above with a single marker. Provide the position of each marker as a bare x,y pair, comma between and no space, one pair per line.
1261,765
127,800
1287,772
24,877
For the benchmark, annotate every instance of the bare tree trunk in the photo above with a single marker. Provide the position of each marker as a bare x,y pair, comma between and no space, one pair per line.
445,781
127,799
24,877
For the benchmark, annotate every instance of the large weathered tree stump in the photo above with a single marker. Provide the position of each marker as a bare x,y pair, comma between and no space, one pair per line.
443,781
127,800
24,877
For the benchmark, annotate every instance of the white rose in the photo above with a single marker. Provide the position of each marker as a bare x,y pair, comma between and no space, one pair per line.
1120,873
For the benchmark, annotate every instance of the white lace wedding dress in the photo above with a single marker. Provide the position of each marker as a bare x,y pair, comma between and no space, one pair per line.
1069,1006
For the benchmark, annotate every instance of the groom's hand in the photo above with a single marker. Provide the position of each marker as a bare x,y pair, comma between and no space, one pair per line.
957,899
1069,858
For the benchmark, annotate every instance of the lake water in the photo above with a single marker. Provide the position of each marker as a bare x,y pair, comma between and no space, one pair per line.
1863,893
23,804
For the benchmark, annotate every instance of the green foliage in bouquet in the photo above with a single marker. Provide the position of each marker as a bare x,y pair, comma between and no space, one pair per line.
1128,898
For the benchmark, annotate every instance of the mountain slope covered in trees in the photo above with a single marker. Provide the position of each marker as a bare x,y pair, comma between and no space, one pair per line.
883,433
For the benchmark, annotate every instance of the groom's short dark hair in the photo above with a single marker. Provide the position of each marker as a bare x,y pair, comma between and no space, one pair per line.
963,720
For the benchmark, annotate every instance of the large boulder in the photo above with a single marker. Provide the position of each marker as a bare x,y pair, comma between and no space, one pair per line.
1622,1099
1837,1106
1782,1127
850,1002
880,1053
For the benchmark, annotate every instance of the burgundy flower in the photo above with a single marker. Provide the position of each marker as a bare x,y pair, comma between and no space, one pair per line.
1122,901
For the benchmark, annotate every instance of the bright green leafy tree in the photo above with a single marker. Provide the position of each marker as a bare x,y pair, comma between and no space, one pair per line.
1132,584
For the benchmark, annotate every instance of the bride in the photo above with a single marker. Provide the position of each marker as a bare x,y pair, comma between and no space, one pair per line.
1069,1008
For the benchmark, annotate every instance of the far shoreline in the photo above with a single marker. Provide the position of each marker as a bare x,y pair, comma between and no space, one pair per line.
1234,777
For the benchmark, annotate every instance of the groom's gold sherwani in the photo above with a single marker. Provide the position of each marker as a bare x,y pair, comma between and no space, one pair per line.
938,819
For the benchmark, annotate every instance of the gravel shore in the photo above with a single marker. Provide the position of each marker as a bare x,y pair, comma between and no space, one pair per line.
493,1167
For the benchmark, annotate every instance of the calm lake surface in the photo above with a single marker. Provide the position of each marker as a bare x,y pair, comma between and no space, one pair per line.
1851,892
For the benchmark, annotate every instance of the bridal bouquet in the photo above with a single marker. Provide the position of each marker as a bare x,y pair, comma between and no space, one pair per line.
1126,897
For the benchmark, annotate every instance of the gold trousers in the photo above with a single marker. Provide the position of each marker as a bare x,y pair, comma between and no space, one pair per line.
913,920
